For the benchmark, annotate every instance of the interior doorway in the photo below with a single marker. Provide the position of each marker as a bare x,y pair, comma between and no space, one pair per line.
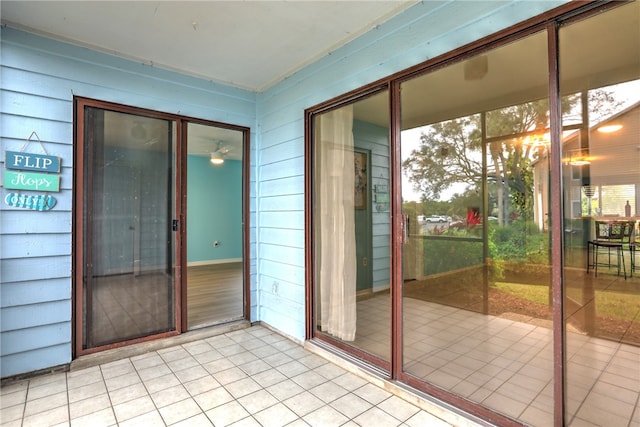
215,262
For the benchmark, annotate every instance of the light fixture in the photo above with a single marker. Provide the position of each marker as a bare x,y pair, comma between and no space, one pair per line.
614,127
216,158
579,157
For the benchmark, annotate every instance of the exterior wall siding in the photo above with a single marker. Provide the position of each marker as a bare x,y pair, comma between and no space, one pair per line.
39,78
424,31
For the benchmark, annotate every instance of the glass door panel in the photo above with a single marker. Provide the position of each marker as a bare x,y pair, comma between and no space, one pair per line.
352,272
214,274
128,276
476,306
600,84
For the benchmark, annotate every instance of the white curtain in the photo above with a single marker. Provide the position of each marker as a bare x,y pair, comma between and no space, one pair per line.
335,178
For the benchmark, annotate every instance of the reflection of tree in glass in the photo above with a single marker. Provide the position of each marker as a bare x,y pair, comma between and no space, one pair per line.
450,153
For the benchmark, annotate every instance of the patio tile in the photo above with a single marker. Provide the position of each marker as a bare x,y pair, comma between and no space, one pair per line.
127,393
325,417
242,387
12,399
254,367
291,369
275,416
155,371
150,419
376,417
277,359
48,417
161,383
244,358
101,418
117,368
181,364
48,389
284,390
213,398
351,405
191,374
173,353
201,385
147,360
398,408
328,392
133,408
169,395
87,391
269,377
229,375
309,379
423,418
218,365
122,381
84,377
200,420
227,414
197,347
88,406
349,381
11,413
179,411
303,403
257,401
46,403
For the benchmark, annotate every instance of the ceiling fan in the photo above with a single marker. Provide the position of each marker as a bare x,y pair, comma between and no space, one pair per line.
217,157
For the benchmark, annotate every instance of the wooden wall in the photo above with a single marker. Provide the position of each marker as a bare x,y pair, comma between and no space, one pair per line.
39,78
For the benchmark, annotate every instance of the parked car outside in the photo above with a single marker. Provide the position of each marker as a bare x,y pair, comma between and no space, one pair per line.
436,218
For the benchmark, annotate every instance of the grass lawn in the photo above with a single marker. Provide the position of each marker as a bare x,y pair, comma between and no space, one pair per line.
619,305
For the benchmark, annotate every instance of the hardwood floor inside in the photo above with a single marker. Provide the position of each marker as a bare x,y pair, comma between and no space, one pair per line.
215,294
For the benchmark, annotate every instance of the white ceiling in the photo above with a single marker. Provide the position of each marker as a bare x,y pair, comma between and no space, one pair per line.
247,44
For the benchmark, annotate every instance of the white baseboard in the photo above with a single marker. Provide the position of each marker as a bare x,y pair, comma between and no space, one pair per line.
213,261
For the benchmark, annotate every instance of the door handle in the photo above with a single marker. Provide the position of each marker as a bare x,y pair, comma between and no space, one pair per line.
175,224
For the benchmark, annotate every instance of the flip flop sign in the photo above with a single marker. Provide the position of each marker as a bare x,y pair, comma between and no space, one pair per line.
29,171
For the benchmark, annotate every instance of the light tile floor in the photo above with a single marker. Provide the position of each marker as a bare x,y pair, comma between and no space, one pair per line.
248,377
506,364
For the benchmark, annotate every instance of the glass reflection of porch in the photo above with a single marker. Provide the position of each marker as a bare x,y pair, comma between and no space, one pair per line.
506,362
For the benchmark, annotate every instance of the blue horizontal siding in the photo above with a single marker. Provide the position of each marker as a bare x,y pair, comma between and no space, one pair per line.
285,254
33,292
35,245
294,238
39,78
39,358
291,202
21,221
32,315
28,269
282,187
21,341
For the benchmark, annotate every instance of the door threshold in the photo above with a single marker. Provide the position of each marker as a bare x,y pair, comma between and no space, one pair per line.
137,349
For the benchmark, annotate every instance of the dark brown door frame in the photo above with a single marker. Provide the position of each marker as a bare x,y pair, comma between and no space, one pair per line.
79,257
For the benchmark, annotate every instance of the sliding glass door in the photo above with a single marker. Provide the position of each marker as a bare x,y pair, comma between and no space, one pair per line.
128,227
352,226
